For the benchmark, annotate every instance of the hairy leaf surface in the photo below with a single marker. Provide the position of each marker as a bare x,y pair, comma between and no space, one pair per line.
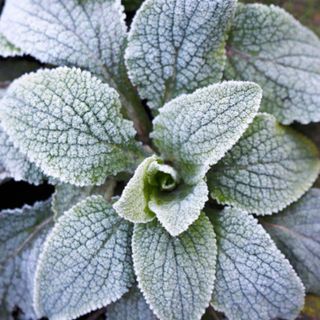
132,306
86,261
177,46
22,233
195,131
69,124
7,49
16,165
178,209
269,168
133,203
296,231
175,274
67,195
253,280
268,46
88,34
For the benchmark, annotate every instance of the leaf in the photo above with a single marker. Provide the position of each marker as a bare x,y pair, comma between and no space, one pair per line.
253,279
131,306
16,165
69,124
177,46
86,262
195,131
269,47
296,231
22,233
175,274
7,49
269,168
133,203
67,195
87,34
178,209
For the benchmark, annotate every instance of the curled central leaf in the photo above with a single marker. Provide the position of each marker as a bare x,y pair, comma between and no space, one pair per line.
162,176
157,190
151,175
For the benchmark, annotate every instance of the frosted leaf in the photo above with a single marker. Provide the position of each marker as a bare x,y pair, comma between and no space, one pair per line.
195,131
296,231
133,203
7,49
268,46
69,124
253,280
175,274
178,209
88,34
132,306
177,46
22,232
67,195
16,165
86,261
270,167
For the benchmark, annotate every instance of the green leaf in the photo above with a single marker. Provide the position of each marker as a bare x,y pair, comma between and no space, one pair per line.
268,46
269,168
87,34
86,261
16,165
175,274
178,209
7,49
253,280
69,123
132,306
177,46
296,231
195,131
133,204
22,233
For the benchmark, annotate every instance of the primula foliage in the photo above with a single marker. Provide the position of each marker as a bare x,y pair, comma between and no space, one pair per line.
158,168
